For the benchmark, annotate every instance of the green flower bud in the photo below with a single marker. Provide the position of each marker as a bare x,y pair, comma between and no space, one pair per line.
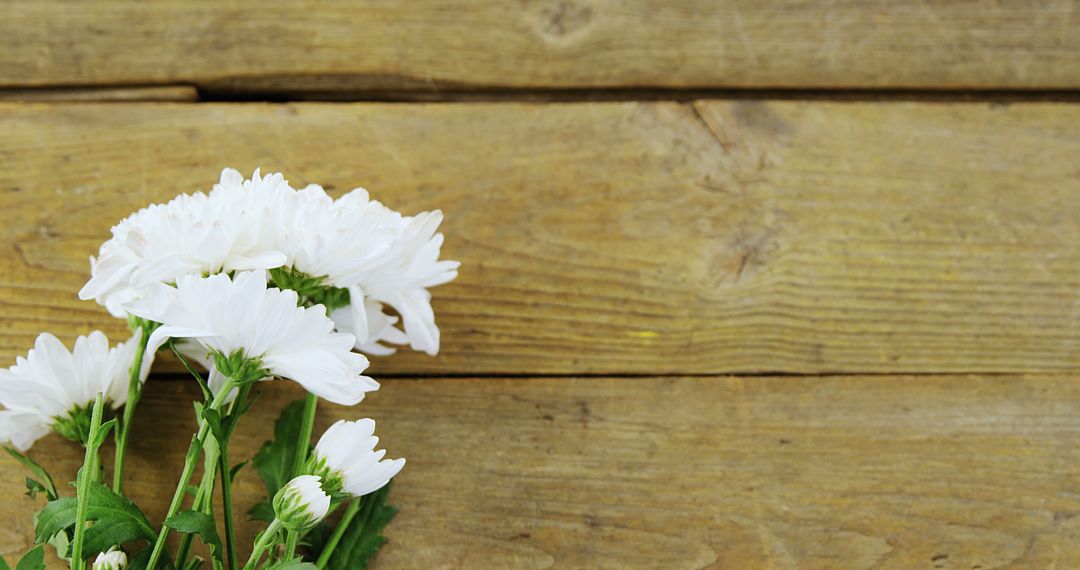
301,503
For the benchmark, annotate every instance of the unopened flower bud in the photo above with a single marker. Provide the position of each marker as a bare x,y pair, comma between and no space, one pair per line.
301,503
111,560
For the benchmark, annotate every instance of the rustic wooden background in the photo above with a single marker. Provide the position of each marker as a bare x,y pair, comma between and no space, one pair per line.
773,284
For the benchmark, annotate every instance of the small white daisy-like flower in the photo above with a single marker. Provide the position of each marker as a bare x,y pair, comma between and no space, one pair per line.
346,459
192,234
111,560
301,503
241,322
54,389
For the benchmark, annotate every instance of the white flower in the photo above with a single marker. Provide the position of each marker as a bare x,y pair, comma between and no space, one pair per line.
346,459
53,388
227,316
192,234
111,560
378,255
301,503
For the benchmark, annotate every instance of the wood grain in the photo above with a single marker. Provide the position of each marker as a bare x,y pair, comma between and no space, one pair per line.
181,93
629,238
817,472
431,45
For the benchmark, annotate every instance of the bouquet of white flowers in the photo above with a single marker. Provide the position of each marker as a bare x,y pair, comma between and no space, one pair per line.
253,281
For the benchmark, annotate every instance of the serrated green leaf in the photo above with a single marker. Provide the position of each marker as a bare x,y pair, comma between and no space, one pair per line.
199,524
33,560
262,511
275,458
363,538
294,564
33,487
116,520
142,558
43,478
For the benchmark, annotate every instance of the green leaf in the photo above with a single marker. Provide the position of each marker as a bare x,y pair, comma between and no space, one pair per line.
213,420
44,481
275,458
363,538
236,469
103,432
116,520
294,564
262,511
4,564
199,524
33,560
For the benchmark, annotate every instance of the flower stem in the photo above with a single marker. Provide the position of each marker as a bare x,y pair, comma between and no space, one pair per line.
226,505
189,469
291,537
204,496
303,443
265,540
87,475
133,394
339,531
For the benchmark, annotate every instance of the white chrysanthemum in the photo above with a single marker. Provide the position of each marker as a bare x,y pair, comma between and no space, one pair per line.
346,459
192,234
378,255
111,560
240,314
301,503
401,276
53,388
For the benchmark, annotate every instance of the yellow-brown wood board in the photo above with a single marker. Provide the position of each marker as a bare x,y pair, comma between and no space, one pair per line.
852,472
895,283
620,238
440,46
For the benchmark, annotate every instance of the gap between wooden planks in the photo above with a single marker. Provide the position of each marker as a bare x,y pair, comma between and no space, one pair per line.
620,238
827,472
435,45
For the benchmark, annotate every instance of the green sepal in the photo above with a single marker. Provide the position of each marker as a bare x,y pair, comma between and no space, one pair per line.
239,367
310,290
75,426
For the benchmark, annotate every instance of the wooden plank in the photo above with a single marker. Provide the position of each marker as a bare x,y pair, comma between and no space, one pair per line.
818,472
436,46
182,93
621,237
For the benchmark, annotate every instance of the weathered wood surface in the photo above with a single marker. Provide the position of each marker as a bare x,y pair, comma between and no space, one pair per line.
434,45
639,238
816,472
182,93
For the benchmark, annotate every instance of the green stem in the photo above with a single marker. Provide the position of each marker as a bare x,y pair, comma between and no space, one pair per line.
87,475
303,443
189,469
339,531
291,538
265,540
133,394
204,496
226,505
